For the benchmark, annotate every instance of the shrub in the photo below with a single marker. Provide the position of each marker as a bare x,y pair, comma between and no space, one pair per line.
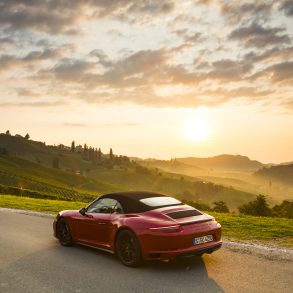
257,207
285,209
220,207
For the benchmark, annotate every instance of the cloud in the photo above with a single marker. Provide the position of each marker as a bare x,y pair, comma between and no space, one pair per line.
287,104
137,69
103,58
281,72
50,16
8,62
26,92
235,12
229,70
39,104
151,7
215,51
275,54
257,36
187,36
71,69
7,43
55,16
287,7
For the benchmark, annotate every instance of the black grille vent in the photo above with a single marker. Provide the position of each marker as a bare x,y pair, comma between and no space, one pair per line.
184,214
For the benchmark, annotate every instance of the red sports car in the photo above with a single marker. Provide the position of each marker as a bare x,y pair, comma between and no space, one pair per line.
139,226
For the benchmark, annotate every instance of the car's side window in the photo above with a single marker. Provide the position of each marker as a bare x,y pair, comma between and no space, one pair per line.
105,206
118,208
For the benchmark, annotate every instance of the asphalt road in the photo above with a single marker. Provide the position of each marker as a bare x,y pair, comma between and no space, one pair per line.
31,260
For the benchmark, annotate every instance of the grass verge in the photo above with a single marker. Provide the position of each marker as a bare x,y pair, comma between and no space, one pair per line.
40,205
259,230
249,229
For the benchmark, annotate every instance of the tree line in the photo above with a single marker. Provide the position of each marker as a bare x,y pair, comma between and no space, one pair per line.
257,207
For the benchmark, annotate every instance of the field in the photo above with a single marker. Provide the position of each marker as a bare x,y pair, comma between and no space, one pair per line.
248,229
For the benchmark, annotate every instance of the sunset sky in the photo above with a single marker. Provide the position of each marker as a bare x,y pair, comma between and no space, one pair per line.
158,79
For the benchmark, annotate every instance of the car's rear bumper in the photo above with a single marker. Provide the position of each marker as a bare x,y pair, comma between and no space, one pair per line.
201,251
185,253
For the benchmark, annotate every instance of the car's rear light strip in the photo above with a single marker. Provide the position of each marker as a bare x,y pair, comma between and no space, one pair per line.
195,222
167,229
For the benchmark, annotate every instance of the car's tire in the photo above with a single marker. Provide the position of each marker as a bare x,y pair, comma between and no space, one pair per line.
63,233
127,249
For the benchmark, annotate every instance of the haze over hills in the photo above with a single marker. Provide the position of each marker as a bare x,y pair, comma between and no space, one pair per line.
30,166
231,170
63,172
231,163
281,173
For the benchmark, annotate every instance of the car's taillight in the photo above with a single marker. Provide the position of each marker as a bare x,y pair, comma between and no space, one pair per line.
218,224
168,229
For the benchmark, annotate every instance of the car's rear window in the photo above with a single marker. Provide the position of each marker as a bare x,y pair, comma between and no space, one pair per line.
160,201
184,214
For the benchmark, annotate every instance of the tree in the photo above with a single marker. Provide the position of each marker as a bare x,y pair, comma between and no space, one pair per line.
285,209
257,207
85,152
73,146
220,207
99,155
96,155
7,132
111,155
27,136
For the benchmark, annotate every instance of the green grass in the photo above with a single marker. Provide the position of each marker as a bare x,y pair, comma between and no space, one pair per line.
267,231
40,205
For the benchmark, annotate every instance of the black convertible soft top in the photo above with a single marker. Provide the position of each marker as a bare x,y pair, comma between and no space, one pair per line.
130,201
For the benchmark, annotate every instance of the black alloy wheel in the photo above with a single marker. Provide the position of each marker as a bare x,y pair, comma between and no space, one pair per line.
63,233
128,249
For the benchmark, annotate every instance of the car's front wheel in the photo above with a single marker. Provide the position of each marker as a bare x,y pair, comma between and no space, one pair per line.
128,249
63,233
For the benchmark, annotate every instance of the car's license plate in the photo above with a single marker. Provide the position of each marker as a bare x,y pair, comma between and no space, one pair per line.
203,239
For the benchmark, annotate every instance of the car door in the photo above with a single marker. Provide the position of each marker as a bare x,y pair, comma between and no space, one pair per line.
95,226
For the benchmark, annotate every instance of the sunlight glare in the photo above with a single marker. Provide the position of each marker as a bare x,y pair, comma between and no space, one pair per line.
197,129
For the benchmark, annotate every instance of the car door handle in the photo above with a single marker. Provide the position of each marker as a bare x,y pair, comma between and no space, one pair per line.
102,223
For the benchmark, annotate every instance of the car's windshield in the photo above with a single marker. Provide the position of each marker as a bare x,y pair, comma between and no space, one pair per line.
160,201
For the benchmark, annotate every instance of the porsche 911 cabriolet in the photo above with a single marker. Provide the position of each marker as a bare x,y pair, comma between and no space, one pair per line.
139,226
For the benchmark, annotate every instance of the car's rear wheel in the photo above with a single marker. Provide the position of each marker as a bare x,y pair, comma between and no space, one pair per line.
128,249
63,233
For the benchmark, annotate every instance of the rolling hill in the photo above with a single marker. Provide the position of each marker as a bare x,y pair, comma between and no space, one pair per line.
227,163
28,166
238,172
276,174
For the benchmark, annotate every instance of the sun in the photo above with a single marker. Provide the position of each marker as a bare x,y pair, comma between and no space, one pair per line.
197,129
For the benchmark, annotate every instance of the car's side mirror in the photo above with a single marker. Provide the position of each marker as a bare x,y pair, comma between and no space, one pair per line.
82,211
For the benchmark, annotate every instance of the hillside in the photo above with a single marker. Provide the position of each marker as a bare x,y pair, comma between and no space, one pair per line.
228,163
276,174
173,166
29,165
277,187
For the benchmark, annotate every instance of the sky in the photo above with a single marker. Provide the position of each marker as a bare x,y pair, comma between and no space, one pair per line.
159,79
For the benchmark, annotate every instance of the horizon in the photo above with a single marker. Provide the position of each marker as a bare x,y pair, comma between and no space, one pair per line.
155,79
139,157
